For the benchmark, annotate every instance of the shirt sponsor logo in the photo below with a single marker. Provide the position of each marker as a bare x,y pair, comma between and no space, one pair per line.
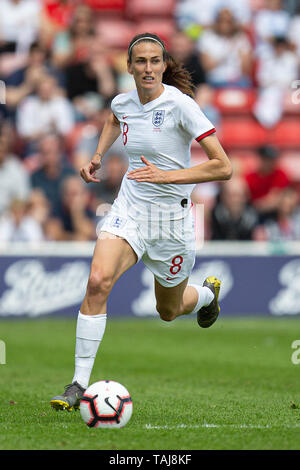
158,117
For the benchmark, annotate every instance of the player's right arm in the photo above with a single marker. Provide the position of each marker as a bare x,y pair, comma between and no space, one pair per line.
110,133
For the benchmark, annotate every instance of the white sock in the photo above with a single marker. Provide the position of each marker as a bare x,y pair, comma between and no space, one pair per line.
89,333
205,296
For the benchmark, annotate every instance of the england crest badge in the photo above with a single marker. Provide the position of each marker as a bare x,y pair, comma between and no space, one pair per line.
158,117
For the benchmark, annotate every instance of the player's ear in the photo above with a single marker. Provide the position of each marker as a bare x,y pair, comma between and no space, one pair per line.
129,67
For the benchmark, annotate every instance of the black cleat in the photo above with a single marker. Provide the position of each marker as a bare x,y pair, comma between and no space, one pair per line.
206,316
70,399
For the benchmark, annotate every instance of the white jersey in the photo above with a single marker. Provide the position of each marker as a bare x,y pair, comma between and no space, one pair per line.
161,130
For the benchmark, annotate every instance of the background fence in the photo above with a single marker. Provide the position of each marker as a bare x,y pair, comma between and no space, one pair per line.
50,279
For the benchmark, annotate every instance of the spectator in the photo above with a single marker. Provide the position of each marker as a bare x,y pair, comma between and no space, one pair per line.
203,12
72,45
204,198
85,137
270,22
73,220
54,169
266,184
204,96
55,17
182,48
277,68
286,225
94,74
18,226
125,81
39,207
19,24
112,171
225,53
46,111
14,180
232,217
24,81
294,31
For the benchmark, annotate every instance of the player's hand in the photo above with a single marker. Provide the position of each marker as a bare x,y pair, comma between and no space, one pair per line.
148,173
88,172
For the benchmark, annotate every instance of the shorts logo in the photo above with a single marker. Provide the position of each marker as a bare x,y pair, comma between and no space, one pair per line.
118,222
158,118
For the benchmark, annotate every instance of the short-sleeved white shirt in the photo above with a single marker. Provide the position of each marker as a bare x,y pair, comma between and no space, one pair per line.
226,52
161,130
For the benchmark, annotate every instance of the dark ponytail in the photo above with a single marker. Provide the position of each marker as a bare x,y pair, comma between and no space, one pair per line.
178,76
174,75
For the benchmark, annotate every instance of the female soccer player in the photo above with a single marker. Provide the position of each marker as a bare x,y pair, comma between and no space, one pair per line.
151,217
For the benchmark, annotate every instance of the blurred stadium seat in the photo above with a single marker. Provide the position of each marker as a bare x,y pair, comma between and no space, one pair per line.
242,132
289,161
257,5
115,33
248,160
138,9
235,100
164,28
107,5
286,134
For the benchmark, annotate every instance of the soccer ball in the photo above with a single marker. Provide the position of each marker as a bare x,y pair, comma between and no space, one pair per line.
106,404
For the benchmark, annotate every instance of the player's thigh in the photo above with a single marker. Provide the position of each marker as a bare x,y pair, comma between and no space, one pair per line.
169,298
112,257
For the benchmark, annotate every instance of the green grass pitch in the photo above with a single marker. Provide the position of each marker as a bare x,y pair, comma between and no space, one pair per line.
232,386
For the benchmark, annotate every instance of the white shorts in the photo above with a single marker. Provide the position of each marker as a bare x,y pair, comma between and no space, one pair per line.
167,248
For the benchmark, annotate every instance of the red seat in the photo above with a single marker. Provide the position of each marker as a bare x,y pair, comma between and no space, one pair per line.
115,33
256,5
136,9
242,133
107,5
290,162
286,134
197,155
234,100
164,28
248,160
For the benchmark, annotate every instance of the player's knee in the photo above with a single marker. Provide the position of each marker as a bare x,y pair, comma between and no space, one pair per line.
166,313
99,283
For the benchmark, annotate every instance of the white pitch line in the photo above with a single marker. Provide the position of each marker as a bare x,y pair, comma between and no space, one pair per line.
220,426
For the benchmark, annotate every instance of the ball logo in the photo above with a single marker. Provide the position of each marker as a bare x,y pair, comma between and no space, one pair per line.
158,118
106,404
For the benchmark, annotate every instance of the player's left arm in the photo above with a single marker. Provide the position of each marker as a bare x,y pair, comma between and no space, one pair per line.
216,168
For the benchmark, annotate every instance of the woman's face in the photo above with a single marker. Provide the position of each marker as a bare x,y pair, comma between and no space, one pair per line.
225,23
147,66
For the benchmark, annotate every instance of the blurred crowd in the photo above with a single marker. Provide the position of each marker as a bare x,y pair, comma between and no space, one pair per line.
59,74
